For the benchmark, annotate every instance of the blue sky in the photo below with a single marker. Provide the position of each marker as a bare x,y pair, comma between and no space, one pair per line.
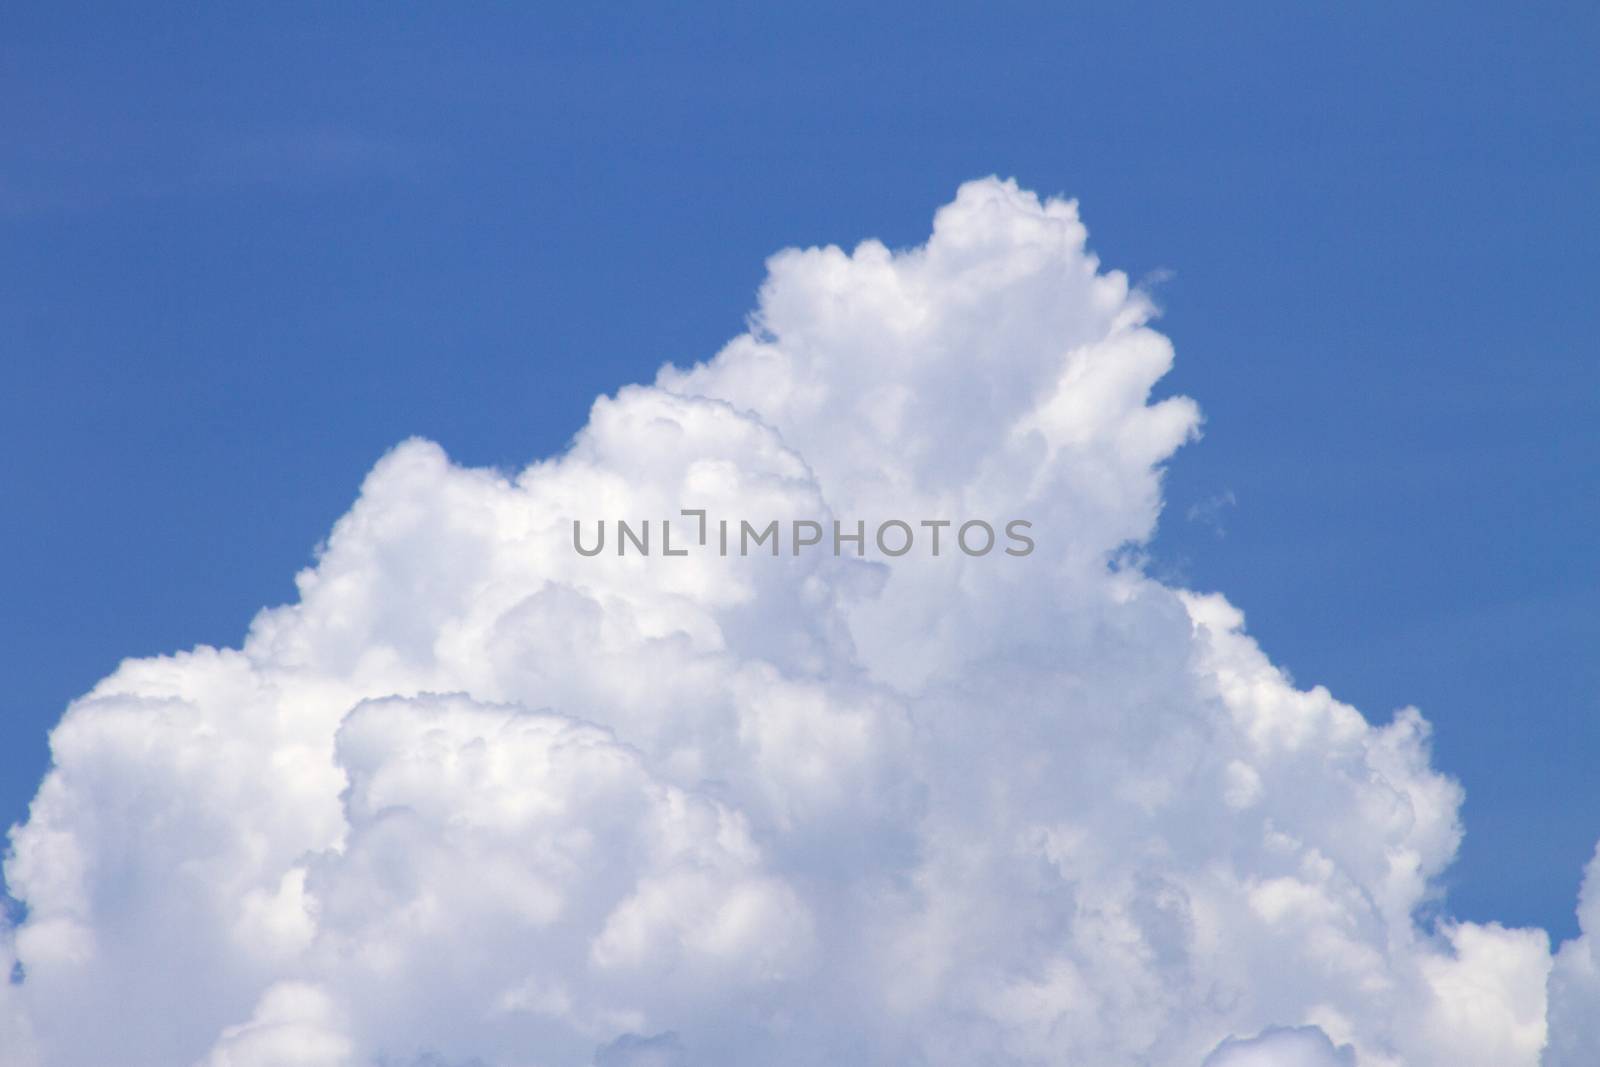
245,254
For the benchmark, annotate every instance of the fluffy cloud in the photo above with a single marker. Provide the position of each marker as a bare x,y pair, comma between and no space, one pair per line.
1300,1046
476,798
1575,985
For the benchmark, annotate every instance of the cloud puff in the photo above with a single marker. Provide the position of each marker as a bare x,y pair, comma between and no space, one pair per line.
477,798
1300,1046
1575,984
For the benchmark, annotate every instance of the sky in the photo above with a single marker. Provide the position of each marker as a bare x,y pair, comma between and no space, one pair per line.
247,253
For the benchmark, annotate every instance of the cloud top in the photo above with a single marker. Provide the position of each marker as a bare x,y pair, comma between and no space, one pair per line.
476,798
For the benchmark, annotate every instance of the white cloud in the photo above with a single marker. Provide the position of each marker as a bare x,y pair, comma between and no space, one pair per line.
476,798
1575,984
1300,1046
294,1023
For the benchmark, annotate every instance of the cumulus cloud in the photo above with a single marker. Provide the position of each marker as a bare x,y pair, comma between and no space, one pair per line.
1299,1046
1575,984
477,798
